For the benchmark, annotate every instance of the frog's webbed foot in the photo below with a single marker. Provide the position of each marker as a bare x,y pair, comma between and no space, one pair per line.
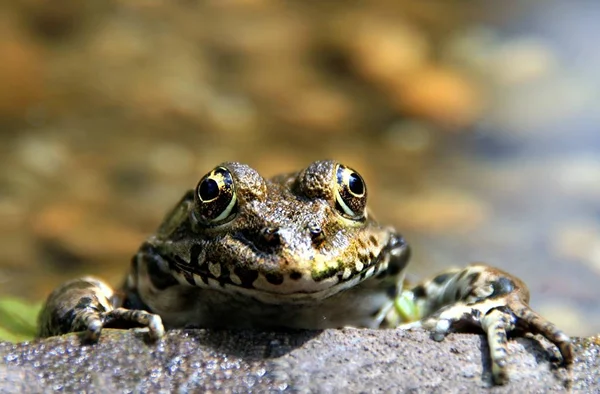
89,305
485,297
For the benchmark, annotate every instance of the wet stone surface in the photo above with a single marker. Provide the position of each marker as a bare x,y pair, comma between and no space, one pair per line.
304,361
472,123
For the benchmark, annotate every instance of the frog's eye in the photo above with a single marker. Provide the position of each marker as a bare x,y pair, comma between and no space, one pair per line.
350,192
216,196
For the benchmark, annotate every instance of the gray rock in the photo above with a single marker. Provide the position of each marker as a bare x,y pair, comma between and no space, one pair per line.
331,361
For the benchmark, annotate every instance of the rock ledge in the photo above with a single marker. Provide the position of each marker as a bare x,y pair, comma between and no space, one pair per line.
348,360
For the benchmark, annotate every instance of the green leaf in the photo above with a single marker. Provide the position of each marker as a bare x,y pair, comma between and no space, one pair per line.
406,307
18,319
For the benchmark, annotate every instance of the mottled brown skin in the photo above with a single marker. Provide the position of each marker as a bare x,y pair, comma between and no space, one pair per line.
296,251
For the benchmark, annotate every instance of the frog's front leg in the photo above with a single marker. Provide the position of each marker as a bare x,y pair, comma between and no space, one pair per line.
486,297
88,304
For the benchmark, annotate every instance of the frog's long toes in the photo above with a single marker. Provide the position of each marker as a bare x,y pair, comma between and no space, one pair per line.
441,330
556,355
538,325
411,326
499,373
94,329
135,317
154,323
495,323
155,326
438,328
566,348
90,321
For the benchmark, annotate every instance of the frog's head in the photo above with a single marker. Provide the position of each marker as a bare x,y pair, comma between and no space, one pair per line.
298,236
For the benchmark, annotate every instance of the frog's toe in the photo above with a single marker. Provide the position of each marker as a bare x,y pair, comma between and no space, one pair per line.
135,317
155,325
499,321
495,324
438,328
448,319
94,330
532,322
92,322
89,320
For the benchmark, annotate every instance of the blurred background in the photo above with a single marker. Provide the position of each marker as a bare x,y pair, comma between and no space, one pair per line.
474,124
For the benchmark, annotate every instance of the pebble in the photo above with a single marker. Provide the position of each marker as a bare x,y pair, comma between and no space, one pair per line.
57,20
86,233
13,214
41,155
442,96
578,176
234,115
518,60
21,71
317,108
386,52
522,60
438,211
171,159
579,241
410,136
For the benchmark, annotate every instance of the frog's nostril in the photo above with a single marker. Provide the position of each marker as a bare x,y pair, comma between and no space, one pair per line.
316,233
271,235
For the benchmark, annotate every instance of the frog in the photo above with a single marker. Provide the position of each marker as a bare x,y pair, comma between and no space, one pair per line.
299,250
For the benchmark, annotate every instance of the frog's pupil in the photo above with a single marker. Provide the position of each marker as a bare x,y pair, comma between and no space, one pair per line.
209,189
356,184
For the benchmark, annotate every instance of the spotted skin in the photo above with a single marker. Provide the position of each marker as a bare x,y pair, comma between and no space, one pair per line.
299,250
488,298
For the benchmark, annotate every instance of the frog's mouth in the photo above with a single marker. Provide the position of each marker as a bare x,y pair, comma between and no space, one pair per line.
323,283
296,287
